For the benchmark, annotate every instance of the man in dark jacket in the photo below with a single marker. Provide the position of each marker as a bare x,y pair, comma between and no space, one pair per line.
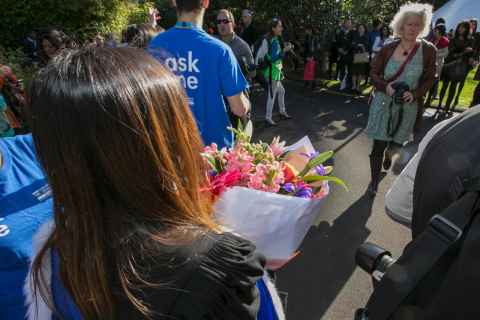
345,51
250,33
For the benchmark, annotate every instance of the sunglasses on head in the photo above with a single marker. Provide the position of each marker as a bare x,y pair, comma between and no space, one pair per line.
223,21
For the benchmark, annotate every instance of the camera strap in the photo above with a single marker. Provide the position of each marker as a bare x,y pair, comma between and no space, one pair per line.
404,64
444,234
400,70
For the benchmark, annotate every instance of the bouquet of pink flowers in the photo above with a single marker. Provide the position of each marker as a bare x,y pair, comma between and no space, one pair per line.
268,167
269,193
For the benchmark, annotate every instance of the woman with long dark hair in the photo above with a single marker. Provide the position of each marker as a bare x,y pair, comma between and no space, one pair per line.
134,236
456,66
52,42
270,55
360,48
139,35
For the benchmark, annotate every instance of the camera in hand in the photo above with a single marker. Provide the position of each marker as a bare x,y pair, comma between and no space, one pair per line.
400,89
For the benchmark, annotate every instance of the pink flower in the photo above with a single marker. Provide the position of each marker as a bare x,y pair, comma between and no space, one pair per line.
239,159
211,149
277,147
224,180
267,177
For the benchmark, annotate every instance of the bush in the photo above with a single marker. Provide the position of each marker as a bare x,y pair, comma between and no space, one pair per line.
80,18
18,62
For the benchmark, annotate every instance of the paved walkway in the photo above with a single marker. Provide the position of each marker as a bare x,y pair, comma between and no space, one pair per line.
323,282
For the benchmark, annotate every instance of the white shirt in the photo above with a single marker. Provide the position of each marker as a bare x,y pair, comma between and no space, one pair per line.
399,199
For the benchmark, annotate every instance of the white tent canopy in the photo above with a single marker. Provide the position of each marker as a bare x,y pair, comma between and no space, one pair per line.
455,11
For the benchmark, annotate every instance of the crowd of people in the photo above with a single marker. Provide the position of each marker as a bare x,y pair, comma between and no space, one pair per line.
104,196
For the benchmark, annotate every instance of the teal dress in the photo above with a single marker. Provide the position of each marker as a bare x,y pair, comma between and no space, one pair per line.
380,116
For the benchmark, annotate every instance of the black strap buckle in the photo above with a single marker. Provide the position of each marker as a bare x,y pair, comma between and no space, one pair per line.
446,228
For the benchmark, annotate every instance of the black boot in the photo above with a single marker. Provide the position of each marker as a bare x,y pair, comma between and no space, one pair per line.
375,170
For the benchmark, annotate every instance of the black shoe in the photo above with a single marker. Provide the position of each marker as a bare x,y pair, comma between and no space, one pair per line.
375,171
372,190
387,163
285,116
270,123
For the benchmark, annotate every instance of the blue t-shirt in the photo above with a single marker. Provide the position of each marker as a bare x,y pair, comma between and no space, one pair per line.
25,204
208,71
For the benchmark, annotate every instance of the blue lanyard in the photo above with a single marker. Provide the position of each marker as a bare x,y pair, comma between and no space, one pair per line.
187,25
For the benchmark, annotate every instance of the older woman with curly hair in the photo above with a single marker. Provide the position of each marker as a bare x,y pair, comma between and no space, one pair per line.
402,73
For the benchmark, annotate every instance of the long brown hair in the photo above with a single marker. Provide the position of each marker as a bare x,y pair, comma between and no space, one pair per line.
121,150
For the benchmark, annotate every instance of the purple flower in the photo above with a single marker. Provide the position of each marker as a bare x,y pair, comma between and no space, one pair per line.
212,173
304,192
289,187
311,155
320,170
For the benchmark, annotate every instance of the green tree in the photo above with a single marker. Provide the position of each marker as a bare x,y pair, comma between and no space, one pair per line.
78,17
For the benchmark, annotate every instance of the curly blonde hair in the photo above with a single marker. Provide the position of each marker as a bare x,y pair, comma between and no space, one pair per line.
421,10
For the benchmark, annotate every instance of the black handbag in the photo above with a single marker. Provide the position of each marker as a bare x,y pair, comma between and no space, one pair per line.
456,70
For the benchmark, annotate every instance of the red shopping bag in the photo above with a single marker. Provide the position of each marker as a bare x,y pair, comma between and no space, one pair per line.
309,72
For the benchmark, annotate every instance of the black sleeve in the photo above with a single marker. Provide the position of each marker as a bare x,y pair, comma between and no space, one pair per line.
223,287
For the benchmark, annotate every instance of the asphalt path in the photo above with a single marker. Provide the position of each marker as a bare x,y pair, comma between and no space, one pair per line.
323,281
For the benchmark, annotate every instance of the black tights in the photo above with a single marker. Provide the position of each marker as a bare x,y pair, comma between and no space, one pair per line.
452,86
380,149
380,146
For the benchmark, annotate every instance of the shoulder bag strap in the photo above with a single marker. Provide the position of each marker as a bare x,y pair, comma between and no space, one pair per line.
444,232
404,64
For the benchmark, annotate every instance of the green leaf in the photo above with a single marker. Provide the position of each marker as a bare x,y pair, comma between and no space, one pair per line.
211,160
316,178
318,160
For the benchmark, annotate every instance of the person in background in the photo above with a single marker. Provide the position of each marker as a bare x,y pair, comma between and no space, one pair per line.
110,42
26,204
207,69
139,35
375,32
476,92
475,34
241,50
409,62
360,46
270,55
12,103
475,39
333,54
134,237
441,42
70,43
6,129
450,34
52,43
99,41
431,35
460,51
382,40
30,46
345,52
154,20
310,55
250,33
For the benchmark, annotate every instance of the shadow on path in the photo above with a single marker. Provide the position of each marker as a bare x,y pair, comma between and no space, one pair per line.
326,262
